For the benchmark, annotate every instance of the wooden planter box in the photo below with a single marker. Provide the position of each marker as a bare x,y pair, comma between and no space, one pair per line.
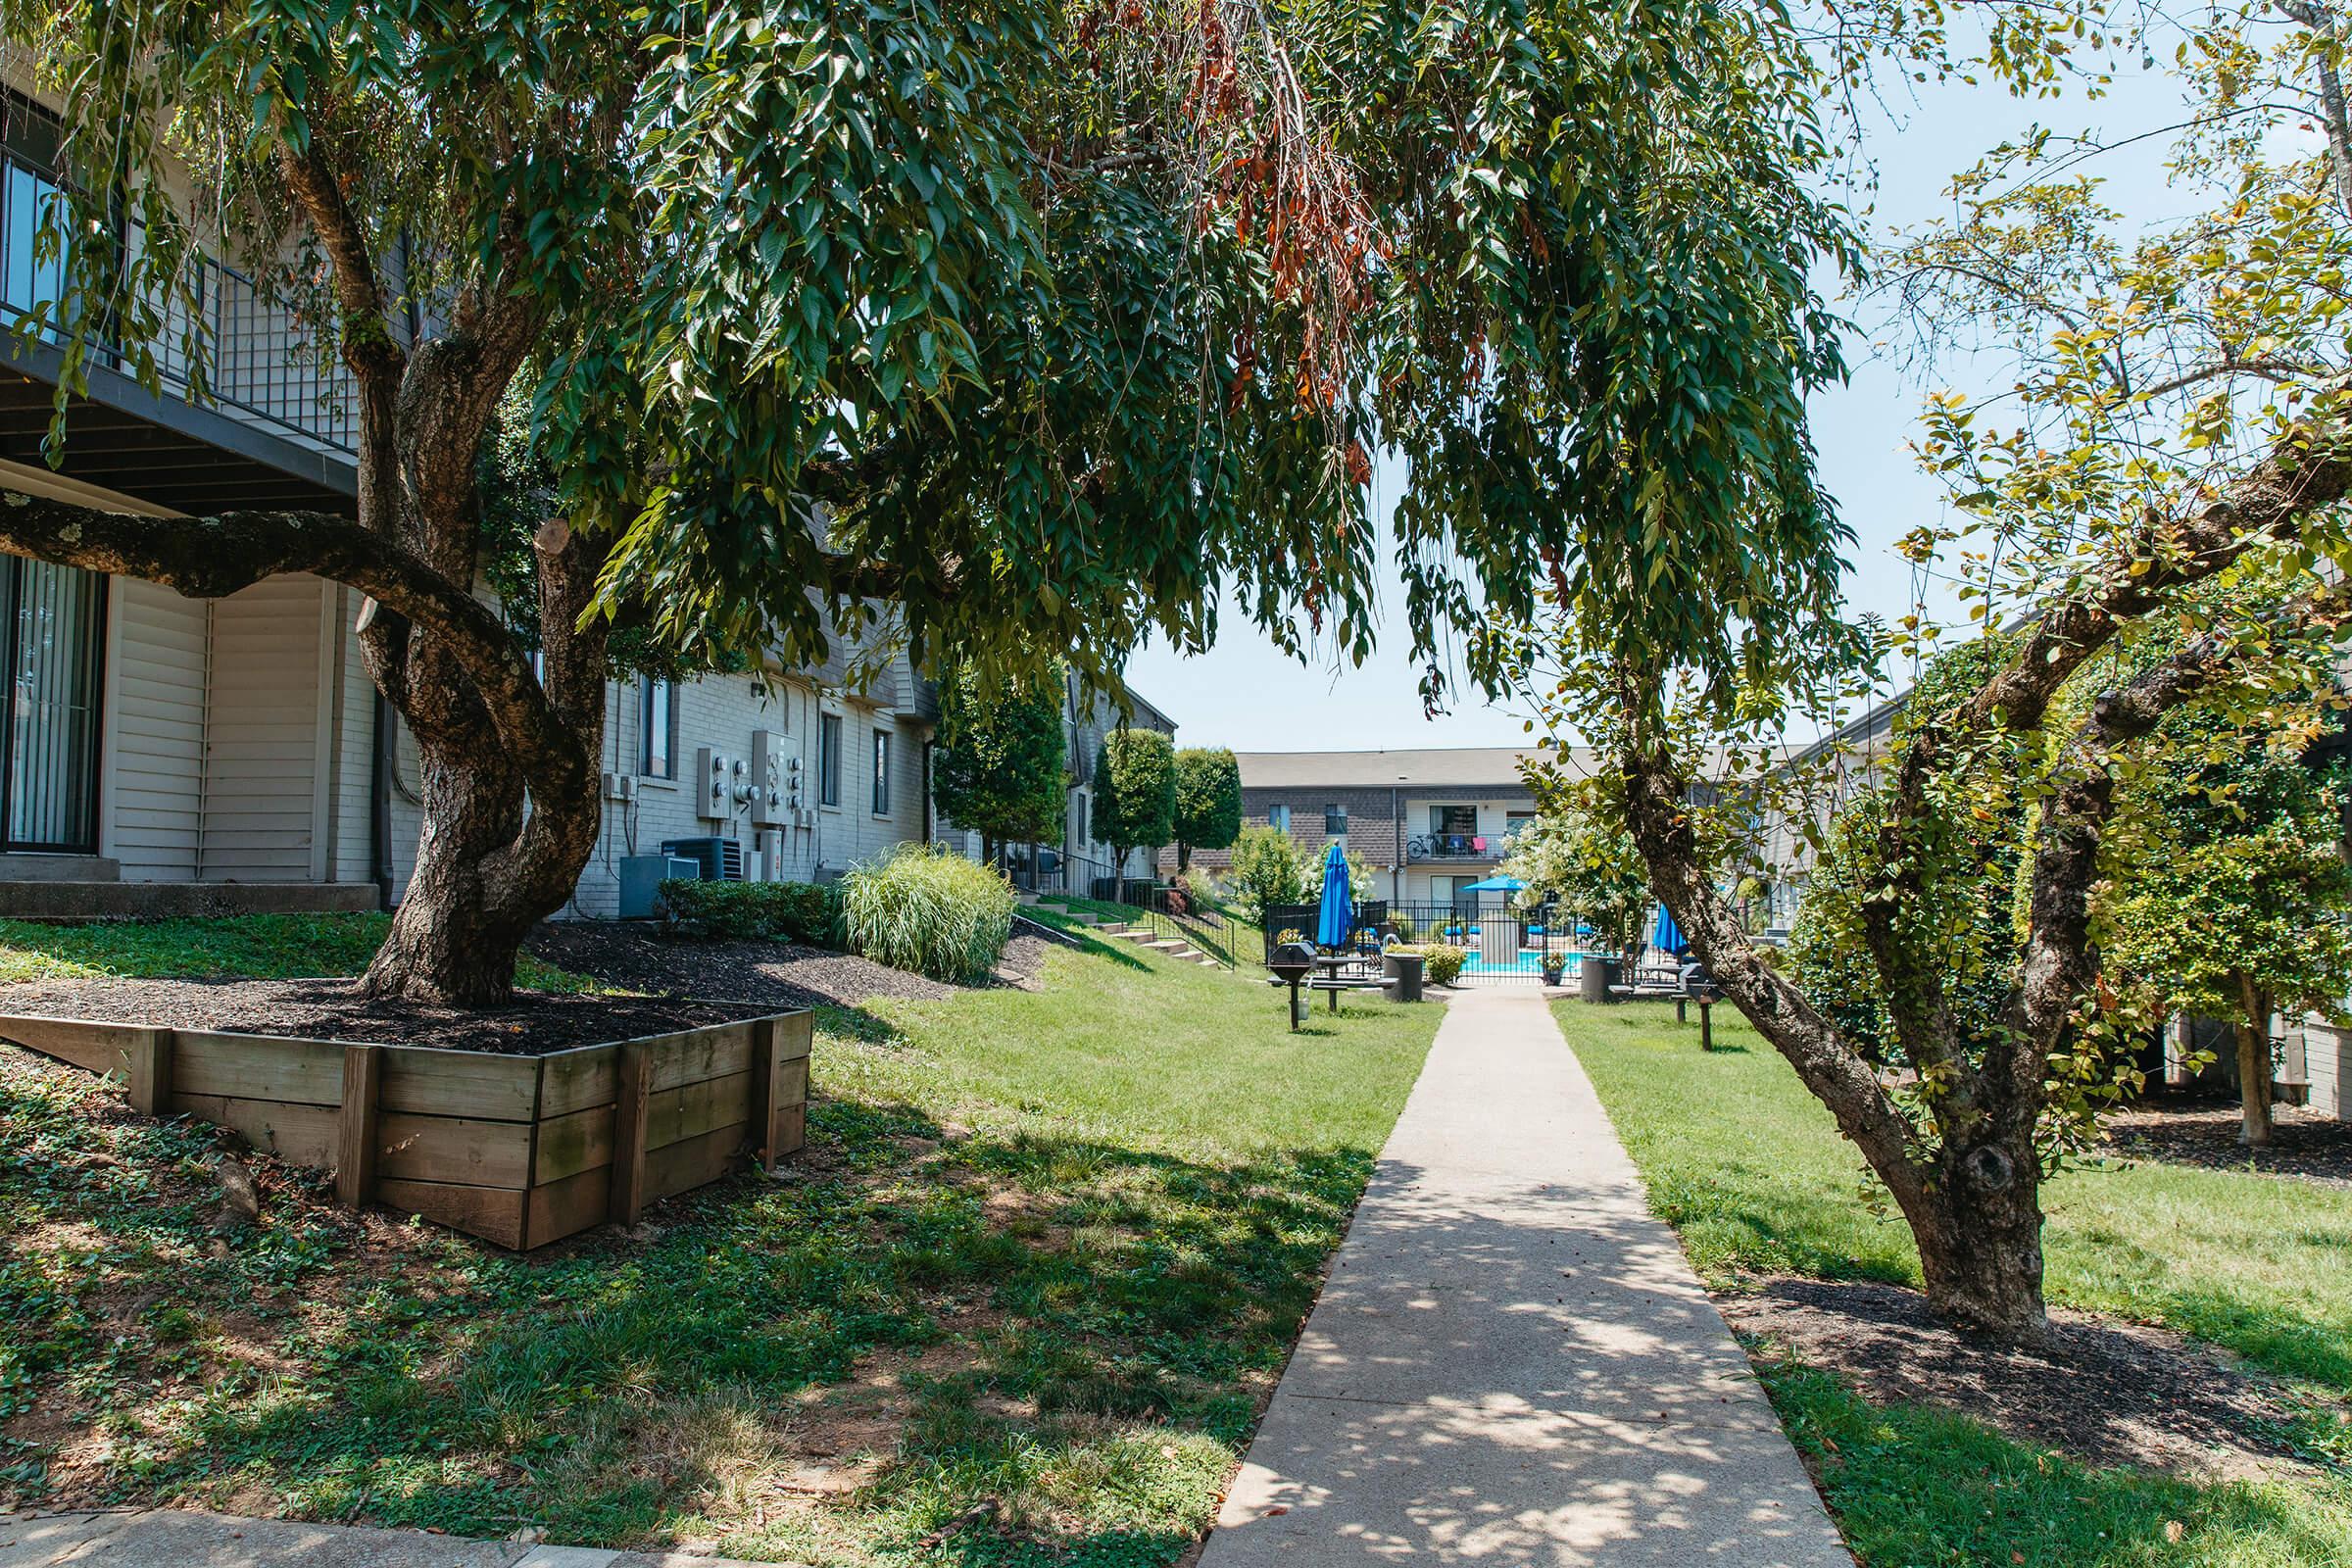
520,1151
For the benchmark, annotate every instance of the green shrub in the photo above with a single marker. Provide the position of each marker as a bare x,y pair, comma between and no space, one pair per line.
929,910
756,912
1441,962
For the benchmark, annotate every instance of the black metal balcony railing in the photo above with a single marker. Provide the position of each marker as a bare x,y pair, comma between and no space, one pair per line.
262,364
1457,847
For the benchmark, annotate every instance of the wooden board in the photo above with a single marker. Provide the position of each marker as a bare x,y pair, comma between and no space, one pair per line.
571,1144
569,1206
574,1080
673,1115
356,1129
792,1129
796,1032
92,1046
307,1072
452,1149
430,1082
302,1135
694,1161
493,1213
718,1050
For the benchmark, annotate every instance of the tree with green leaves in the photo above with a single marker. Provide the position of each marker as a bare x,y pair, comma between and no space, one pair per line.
1135,792
996,329
1266,871
999,767
2229,892
1580,857
2177,416
1208,802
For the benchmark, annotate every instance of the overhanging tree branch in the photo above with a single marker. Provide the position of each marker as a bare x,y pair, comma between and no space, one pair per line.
210,557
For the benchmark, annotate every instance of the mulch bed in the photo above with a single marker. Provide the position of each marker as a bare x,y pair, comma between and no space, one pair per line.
771,973
2109,1393
531,1025
2204,1133
685,983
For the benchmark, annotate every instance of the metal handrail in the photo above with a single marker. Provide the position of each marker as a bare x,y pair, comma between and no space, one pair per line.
265,365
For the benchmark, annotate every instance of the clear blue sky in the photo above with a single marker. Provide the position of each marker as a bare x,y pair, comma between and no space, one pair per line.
1245,695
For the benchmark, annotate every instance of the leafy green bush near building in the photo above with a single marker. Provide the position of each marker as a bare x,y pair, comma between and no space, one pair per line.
929,910
756,911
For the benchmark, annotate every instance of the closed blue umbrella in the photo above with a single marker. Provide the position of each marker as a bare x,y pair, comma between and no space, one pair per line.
1668,937
1335,921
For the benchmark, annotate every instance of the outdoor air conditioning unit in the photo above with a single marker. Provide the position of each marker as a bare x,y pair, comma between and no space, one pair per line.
641,879
715,859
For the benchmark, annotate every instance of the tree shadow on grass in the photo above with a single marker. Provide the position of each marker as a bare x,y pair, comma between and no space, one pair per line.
1039,1294
1912,1482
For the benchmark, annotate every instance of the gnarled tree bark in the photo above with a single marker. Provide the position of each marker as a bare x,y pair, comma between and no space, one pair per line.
1967,1178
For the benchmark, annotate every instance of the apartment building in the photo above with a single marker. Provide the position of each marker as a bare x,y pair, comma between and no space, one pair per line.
1429,822
163,754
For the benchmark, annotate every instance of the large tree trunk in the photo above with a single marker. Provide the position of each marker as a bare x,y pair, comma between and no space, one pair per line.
482,880
1979,1232
2253,1031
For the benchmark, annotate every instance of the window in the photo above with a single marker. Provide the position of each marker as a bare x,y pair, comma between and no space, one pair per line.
1515,824
1278,817
658,728
1083,824
828,759
52,646
1455,819
881,772
1335,821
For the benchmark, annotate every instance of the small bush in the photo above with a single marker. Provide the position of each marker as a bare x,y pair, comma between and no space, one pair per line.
756,912
1441,962
929,910
1200,888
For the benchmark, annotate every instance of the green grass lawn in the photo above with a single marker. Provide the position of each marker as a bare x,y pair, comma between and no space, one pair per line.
1748,1168
261,946
1042,1262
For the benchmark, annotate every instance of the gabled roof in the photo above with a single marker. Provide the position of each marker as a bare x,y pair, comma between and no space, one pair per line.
1450,767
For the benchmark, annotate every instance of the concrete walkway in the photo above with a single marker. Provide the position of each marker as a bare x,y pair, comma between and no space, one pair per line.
1512,1361
163,1539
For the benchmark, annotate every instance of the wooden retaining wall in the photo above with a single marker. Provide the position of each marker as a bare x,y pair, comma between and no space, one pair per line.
520,1151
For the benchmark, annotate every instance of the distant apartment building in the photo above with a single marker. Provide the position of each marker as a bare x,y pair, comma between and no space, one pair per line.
1428,821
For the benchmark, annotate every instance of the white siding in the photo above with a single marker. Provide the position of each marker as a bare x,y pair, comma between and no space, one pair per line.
155,764
263,761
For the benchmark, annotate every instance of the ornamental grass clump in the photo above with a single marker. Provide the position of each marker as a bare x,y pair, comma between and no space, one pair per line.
929,910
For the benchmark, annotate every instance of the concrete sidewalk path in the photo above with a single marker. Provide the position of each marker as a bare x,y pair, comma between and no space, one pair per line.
169,1538
1512,1361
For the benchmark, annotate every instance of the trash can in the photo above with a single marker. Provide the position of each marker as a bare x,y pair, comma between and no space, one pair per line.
1400,975
1595,975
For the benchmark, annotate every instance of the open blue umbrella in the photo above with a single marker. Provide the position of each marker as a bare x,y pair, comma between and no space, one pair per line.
1335,921
1668,937
1494,884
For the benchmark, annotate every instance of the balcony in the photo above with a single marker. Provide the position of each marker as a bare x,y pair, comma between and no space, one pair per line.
1458,848
262,422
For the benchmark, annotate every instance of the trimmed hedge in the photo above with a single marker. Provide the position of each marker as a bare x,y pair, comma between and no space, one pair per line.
808,912
929,910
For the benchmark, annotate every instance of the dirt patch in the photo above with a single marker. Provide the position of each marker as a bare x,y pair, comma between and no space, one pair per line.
2204,1133
770,973
2109,1393
531,1025
1024,962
